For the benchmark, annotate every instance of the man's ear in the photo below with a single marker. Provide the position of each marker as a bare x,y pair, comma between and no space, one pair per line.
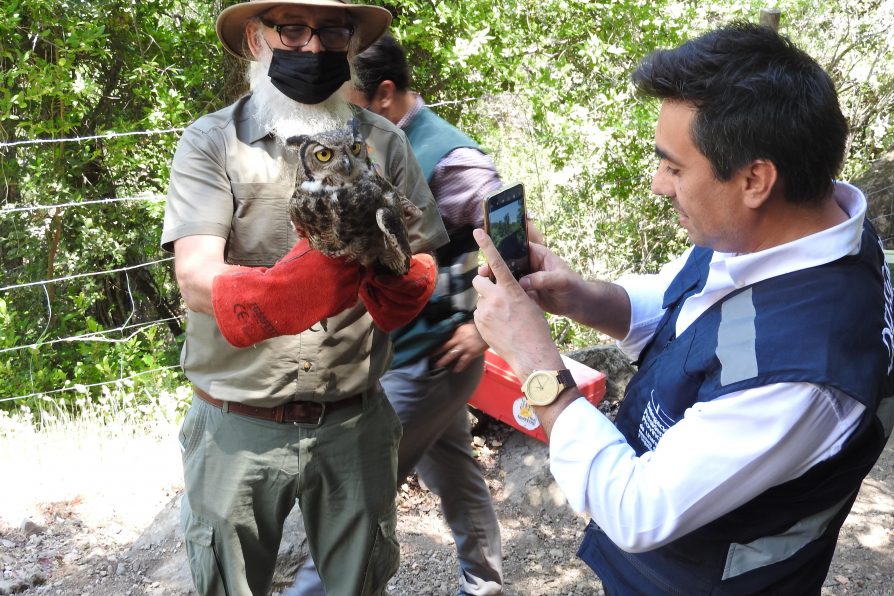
758,182
251,39
384,95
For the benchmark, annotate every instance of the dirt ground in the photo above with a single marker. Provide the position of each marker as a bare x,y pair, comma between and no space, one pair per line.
104,521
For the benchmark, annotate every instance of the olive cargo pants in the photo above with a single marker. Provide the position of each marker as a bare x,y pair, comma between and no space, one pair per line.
242,476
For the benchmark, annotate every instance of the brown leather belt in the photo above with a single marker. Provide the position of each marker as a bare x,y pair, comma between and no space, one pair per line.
297,412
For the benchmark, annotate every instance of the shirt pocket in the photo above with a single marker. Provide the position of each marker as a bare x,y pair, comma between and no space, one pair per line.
261,231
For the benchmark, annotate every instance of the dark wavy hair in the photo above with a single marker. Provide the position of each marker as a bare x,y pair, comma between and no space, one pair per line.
757,97
384,60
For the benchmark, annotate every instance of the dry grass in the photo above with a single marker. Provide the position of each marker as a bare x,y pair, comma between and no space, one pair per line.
110,462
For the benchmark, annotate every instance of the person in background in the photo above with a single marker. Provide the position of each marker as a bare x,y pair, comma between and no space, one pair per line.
439,357
284,345
763,395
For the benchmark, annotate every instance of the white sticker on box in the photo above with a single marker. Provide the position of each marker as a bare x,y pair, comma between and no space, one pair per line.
524,414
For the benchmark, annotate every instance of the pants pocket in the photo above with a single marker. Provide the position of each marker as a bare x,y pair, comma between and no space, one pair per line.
191,431
384,557
203,562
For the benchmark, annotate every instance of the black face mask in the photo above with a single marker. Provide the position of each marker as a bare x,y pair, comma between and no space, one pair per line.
307,77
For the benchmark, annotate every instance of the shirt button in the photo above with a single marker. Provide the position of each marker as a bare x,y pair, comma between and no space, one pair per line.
306,366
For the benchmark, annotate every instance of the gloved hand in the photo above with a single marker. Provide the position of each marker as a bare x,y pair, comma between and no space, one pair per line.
252,304
395,300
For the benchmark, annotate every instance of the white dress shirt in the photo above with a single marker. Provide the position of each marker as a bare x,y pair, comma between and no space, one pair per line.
761,437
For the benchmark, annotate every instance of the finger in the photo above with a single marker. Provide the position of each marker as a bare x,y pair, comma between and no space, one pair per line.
534,234
446,348
498,266
538,253
539,281
447,358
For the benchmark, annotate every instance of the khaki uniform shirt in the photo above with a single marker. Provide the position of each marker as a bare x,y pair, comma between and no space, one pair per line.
231,179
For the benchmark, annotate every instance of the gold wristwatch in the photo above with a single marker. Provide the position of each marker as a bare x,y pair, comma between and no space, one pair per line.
542,387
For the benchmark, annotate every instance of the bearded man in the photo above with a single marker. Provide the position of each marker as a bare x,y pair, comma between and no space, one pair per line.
281,348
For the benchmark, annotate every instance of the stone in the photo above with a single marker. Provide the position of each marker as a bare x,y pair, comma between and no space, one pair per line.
610,361
31,528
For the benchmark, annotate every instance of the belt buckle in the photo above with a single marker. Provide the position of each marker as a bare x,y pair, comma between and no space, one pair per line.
319,420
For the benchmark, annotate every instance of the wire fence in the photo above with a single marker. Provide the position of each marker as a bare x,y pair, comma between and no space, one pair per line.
115,335
83,387
119,334
43,282
128,330
122,333
31,208
106,135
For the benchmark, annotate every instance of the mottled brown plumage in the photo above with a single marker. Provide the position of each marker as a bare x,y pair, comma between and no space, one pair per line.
343,207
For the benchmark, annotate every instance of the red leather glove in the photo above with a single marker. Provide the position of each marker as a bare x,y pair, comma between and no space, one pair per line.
395,300
252,304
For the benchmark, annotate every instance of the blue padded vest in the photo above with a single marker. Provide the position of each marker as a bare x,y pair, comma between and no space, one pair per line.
830,325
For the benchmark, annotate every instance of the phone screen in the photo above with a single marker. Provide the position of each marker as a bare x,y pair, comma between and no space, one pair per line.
505,221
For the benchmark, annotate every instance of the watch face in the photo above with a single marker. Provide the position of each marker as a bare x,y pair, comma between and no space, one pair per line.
542,388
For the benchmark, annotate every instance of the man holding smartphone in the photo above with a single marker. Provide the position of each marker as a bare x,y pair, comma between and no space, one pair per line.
439,357
763,395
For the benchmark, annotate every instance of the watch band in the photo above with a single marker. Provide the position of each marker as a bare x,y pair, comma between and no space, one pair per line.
565,379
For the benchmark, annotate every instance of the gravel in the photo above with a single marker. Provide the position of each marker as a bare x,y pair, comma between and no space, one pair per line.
87,544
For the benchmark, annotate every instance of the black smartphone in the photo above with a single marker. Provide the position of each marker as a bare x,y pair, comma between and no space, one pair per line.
505,221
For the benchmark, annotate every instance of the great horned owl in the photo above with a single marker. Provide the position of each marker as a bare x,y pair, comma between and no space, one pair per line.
343,207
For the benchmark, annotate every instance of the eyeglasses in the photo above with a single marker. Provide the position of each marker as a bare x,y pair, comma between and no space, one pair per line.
298,36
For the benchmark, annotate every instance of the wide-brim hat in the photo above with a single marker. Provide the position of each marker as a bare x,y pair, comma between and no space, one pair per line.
369,22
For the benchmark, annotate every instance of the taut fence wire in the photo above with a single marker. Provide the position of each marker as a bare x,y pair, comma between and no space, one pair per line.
119,334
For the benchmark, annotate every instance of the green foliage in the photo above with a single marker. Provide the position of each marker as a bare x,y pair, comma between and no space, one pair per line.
76,69
548,93
557,111
543,85
855,42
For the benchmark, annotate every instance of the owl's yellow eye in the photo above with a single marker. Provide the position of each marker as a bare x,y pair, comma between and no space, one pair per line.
323,155
355,148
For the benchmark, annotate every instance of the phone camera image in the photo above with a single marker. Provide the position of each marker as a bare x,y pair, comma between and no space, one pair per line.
506,219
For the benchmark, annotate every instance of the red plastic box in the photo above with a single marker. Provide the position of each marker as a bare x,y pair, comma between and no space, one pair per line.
499,393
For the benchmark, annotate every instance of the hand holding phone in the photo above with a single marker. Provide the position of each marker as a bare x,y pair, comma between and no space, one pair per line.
505,221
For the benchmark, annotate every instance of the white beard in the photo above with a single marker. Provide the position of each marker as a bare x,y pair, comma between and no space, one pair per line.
284,117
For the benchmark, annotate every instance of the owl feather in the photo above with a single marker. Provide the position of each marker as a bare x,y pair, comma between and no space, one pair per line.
343,207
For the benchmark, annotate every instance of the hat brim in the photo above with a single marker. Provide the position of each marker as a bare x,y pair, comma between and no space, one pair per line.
369,22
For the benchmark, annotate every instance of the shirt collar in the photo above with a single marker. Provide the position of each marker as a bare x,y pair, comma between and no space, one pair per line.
418,104
816,249
253,130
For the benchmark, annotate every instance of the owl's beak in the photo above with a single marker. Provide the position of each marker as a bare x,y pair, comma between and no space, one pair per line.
346,165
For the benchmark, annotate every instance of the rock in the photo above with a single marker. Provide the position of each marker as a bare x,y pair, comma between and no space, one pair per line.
27,579
611,362
31,528
71,556
12,586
